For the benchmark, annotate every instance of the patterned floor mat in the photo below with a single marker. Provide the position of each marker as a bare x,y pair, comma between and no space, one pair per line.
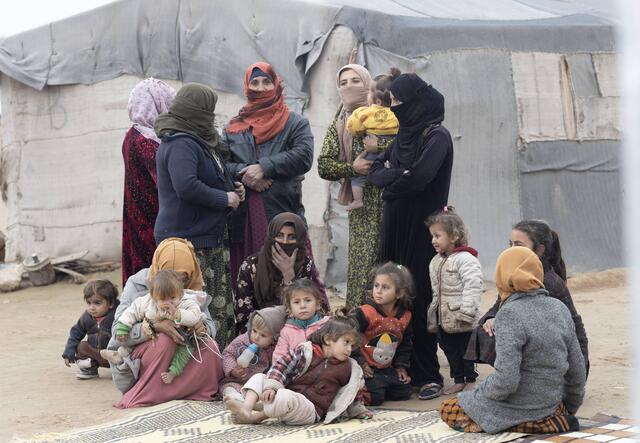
603,428
200,422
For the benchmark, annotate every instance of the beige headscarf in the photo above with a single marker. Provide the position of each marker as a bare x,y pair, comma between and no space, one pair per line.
518,270
352,97
178,255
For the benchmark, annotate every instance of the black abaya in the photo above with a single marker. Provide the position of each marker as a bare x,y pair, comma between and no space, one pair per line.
410,196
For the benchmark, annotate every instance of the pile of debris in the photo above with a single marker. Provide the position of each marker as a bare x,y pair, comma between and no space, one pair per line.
39,270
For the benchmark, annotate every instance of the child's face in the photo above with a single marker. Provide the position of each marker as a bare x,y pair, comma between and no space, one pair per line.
342,347
261,337
168,303
442,243
371,98
97,306
303,305
385,292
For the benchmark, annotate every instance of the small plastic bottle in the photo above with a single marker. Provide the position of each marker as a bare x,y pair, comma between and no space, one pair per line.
247,355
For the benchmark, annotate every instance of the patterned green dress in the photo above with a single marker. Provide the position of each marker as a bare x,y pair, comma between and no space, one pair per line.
214,263
364,223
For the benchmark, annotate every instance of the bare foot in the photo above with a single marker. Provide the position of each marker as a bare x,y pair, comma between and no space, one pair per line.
112,357
470,386
454,389
239,413
356,204
167,377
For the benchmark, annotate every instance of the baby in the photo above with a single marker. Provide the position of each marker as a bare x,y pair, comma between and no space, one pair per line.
262,331
164,301
376,119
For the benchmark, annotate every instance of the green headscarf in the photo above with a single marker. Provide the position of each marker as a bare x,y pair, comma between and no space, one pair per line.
192,112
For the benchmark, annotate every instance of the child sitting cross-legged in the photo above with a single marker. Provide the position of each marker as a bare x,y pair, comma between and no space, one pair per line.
316,381
385,324
164,301
303,302
251,352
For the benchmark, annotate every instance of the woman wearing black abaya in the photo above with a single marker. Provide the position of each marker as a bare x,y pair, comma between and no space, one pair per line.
415,172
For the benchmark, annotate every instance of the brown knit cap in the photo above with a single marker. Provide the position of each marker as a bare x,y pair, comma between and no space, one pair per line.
274,317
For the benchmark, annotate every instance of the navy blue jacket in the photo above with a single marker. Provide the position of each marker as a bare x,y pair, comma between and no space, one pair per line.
98,335
192,192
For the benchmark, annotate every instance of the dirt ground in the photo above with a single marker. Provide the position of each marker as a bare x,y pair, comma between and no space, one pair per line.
38,393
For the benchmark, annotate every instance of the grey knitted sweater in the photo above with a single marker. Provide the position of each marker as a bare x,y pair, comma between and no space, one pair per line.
538,365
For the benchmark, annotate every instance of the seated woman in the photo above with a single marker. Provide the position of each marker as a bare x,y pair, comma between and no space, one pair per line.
281,260
139,377
539,381
544,242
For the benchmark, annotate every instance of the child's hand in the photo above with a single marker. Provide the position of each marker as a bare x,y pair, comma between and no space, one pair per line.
268,395
367,372
366,415
123,338
403,376
67,361
239,373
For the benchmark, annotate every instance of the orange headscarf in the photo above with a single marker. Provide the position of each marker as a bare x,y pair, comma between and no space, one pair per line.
265,112
178,255
518,270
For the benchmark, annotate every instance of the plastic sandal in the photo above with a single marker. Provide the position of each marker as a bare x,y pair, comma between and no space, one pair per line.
429,391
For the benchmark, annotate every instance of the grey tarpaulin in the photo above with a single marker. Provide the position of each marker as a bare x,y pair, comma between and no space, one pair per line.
528,84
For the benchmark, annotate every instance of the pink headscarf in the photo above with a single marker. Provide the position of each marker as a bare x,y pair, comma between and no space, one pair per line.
148,99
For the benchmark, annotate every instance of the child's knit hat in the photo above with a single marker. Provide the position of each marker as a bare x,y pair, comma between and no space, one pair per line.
274,317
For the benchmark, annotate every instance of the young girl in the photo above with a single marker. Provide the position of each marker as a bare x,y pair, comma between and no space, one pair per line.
303,299
376,119
456,279
262,330
101,297
317,381
538,236
385,324
164,301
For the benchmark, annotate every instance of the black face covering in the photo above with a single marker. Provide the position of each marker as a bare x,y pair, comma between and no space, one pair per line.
288,248
422,106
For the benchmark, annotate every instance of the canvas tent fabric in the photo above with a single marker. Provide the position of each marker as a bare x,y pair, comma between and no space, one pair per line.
530,78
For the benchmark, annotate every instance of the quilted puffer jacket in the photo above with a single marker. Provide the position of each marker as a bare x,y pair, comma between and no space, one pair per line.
457,285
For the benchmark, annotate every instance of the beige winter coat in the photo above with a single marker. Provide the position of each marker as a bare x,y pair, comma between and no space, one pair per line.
457,285
146,307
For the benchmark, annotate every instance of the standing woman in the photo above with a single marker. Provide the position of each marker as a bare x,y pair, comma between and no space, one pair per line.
415,172
341,158
270,148
147,100
196,192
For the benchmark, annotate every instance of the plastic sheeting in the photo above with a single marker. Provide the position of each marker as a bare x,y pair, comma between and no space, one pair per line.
528,83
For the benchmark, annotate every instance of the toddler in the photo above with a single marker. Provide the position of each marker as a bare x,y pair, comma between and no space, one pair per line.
263,328
95,323
303,302
376,119
385,324
456,279
315,382
164,301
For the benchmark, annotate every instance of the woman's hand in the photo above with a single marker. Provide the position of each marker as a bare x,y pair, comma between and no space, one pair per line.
403,376
170,328
283,262
361,165
370,143
233,201
488,326
268,395
251,174
239,189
